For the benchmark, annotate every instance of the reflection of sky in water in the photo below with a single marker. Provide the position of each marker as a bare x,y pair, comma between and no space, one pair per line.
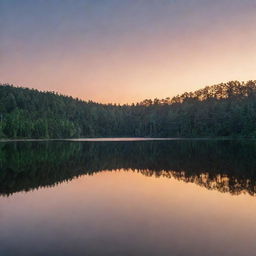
126,213
133,198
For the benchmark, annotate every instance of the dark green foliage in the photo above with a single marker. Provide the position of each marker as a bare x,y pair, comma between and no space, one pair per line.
227,109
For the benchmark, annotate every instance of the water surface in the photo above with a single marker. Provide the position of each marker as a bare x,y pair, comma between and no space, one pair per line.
179,197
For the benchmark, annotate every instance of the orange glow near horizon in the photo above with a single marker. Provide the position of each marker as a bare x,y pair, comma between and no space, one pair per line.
119,63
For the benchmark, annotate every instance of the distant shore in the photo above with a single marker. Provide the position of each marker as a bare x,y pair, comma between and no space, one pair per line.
113,139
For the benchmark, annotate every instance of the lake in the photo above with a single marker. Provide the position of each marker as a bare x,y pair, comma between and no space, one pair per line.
128,197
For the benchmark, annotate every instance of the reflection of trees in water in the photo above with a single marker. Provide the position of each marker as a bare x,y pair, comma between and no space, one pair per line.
221,182
226,166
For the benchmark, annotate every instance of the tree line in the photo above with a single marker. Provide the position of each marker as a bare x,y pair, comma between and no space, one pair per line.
223,110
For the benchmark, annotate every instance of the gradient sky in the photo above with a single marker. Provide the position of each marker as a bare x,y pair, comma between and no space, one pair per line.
124,51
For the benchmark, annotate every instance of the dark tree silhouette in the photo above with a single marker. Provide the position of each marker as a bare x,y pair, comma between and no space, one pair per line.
227,109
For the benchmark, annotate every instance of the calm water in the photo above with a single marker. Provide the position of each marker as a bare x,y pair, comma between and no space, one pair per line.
177,197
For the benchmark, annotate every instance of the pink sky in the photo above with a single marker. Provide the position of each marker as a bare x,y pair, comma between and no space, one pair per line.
127,52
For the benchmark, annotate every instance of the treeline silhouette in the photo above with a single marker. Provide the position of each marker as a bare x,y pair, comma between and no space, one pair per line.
226,166
227,109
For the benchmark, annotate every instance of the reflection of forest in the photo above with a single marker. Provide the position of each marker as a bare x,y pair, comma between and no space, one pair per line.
227,166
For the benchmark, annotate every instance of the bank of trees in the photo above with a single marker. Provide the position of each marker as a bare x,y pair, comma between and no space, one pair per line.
227,109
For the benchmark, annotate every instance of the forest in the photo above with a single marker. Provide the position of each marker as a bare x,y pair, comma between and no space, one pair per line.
222,110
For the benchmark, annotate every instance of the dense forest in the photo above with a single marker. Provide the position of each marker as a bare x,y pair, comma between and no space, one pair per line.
223,110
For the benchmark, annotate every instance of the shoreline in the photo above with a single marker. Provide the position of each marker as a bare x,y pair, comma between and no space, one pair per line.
123,139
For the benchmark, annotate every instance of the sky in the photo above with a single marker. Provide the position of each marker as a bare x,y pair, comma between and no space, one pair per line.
124,51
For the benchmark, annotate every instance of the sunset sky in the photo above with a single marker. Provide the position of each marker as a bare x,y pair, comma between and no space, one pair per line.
124,51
